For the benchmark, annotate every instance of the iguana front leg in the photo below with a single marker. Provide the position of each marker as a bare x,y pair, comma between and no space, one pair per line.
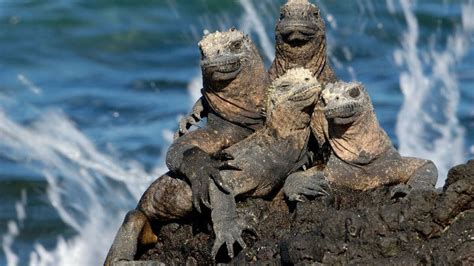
197,113
227,226
309,183
422,174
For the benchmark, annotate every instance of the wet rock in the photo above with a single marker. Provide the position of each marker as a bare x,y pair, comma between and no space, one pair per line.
350,227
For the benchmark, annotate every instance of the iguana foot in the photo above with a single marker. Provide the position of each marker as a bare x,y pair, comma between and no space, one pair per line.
404,190
298,186
229,232
423,178
200,170
185,124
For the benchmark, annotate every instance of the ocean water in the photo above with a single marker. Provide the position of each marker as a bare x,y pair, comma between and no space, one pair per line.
91,92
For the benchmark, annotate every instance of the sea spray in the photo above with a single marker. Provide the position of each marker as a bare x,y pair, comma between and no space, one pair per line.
427,124
90,191
14,227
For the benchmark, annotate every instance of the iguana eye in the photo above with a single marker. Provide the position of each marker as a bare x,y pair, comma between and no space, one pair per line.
285,85
282,15
354,92
316,13
235,46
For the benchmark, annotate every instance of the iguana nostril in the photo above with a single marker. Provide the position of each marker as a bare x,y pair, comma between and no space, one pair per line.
337,98
323,101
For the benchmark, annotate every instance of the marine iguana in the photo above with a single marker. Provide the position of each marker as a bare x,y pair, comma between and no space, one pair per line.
235,85
223,55
261,162
301,41
363,156
300,36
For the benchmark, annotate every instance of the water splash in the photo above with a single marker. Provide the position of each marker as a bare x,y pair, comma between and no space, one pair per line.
13,230
89,190
25,81
252,22
427,124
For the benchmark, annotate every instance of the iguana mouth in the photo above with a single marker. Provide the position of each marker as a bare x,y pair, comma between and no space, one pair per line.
343,111
304,93
224,68
297,33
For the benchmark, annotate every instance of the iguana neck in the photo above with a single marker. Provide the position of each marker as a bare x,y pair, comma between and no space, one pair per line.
242,100
286,122
360,142
315,60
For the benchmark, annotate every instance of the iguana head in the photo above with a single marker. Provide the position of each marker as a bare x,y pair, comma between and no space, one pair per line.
234,77
344,103
300,28
225,54
297,90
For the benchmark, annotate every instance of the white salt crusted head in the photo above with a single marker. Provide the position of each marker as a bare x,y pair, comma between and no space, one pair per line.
217,43
345,101
342,92
290,83
298,2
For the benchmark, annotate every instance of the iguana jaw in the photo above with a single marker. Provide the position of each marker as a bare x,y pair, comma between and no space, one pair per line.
304,97
223,68
344,114
297,33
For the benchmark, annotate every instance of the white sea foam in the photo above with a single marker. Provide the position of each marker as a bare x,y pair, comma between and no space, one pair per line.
251,22
29,84
13,230
81,187
427,124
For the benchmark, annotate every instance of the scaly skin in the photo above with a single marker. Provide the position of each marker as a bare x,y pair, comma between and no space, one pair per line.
266,157
363,156
223,56
301,41
235,84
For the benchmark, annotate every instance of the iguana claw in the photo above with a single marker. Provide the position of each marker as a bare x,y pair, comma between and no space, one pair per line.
192,119
298,185
200,170
229,232
224,156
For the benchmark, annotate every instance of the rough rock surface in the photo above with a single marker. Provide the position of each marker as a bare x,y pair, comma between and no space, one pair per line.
351,227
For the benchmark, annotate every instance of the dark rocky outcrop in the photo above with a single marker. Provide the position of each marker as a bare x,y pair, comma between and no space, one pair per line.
351,227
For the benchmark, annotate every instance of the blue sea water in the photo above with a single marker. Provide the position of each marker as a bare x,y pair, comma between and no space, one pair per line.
91,92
